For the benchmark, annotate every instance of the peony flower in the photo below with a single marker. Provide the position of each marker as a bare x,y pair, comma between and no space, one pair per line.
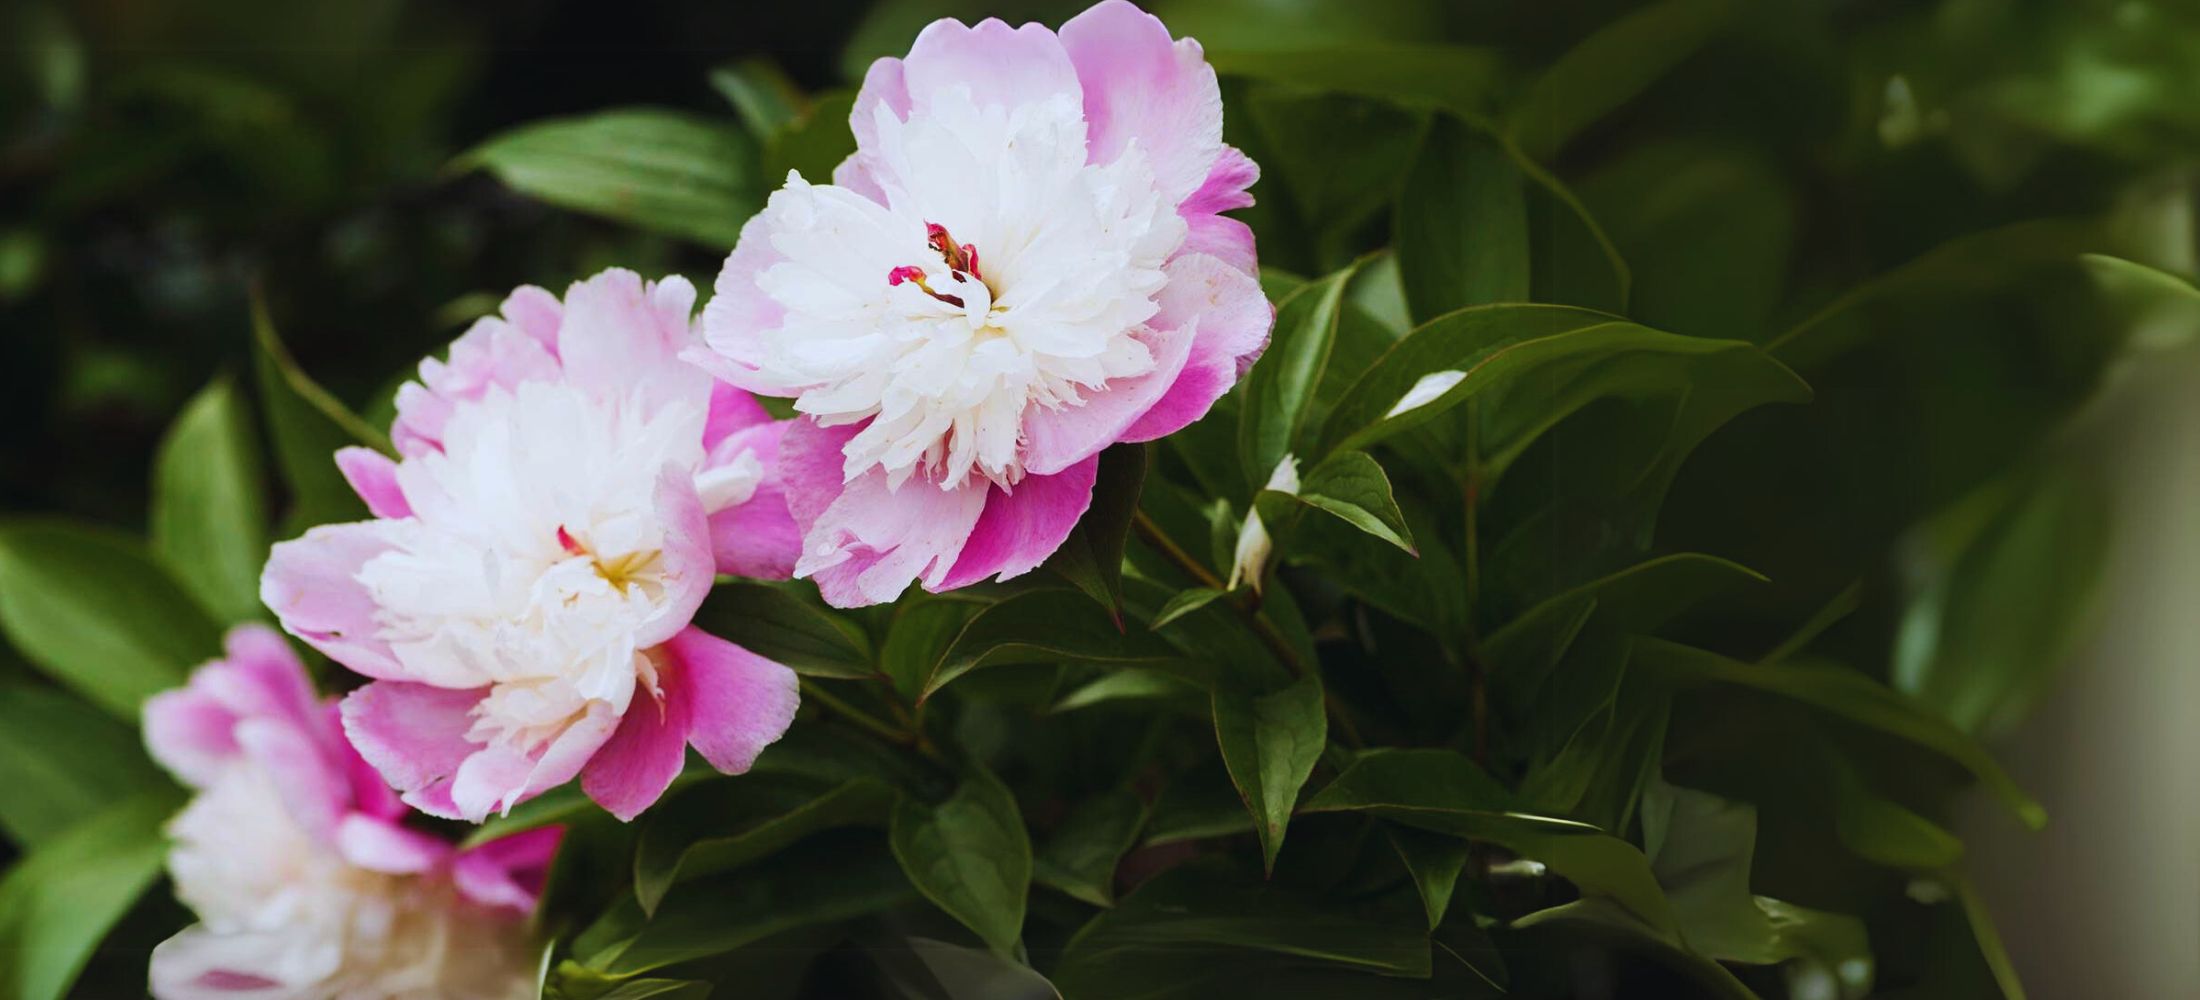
567,491
298,861
1021,264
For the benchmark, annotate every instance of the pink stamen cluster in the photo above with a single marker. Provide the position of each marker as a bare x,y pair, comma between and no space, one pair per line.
961,259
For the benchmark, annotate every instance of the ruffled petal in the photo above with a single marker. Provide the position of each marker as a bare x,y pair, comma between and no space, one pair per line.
517,346
756,538
998,64
379,845
199,964
373,476
739,702
863,542
688,567
635,766
622,335
415,736
1058,438
1231,320
1140,87
497,777
1020,528
508,872
310,583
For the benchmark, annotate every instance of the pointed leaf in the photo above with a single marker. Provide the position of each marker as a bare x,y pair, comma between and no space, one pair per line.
59,901
1081,858
1461,223
98,614
665,171
1045,626
62,762
786,625
1281,384
1092,556
1270,743
970,856
209,518
722,825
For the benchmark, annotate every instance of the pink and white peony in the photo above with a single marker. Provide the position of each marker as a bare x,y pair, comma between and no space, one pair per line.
298,861
568,490
1022,263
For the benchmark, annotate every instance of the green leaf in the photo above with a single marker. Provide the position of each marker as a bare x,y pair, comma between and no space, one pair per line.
1045,626
1443,792
62,761
209,508
1281,384
95,611
718,826
822,880
1185,602
1092,556
664,171
1546,362
1270,743
1702,848
814,143
2161,310
1198,921
788,625
920,632
760,92
1993,258
1708,230
1080,859
1611,66
1849,695
924,969
1639,598
1129,683
1461,223
1434,861
1990,948
1452,78
59,901
307,426
970,856
1353,487
1330,163
2003,585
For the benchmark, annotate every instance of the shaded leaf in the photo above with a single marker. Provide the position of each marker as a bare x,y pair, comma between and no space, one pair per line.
1281,384
95,611
59,901
970,856
1045,626
1611,66
1849,695
1092,556
1080,859
1351,486
1461,224
62,762
307,426
722,825
665,171
209,508
1270,743
787,625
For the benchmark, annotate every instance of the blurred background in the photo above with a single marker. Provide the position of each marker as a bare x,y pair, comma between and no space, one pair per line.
160,160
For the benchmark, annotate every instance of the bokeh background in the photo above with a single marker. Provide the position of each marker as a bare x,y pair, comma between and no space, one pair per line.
159,160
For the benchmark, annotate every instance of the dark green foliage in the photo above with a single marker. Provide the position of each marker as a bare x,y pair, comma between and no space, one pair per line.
1678,393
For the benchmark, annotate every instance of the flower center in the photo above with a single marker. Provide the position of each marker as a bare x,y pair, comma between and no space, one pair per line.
620,571
961,260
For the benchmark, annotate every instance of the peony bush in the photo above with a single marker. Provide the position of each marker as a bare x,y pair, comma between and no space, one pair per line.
1343,565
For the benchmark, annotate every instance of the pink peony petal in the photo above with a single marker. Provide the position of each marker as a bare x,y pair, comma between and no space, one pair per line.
1227,186
1233,319
731,410
199,964
1143,89
1223,238
505,350
999,65
190,734
869,542
313,785
757,538
1058,438
739,702
508,872
373,476
1021,528
739,311
415,736
689,569
622,335
643,755
310,584
379,845
496,777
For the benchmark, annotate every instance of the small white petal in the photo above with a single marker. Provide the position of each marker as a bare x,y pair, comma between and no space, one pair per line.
1428,389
